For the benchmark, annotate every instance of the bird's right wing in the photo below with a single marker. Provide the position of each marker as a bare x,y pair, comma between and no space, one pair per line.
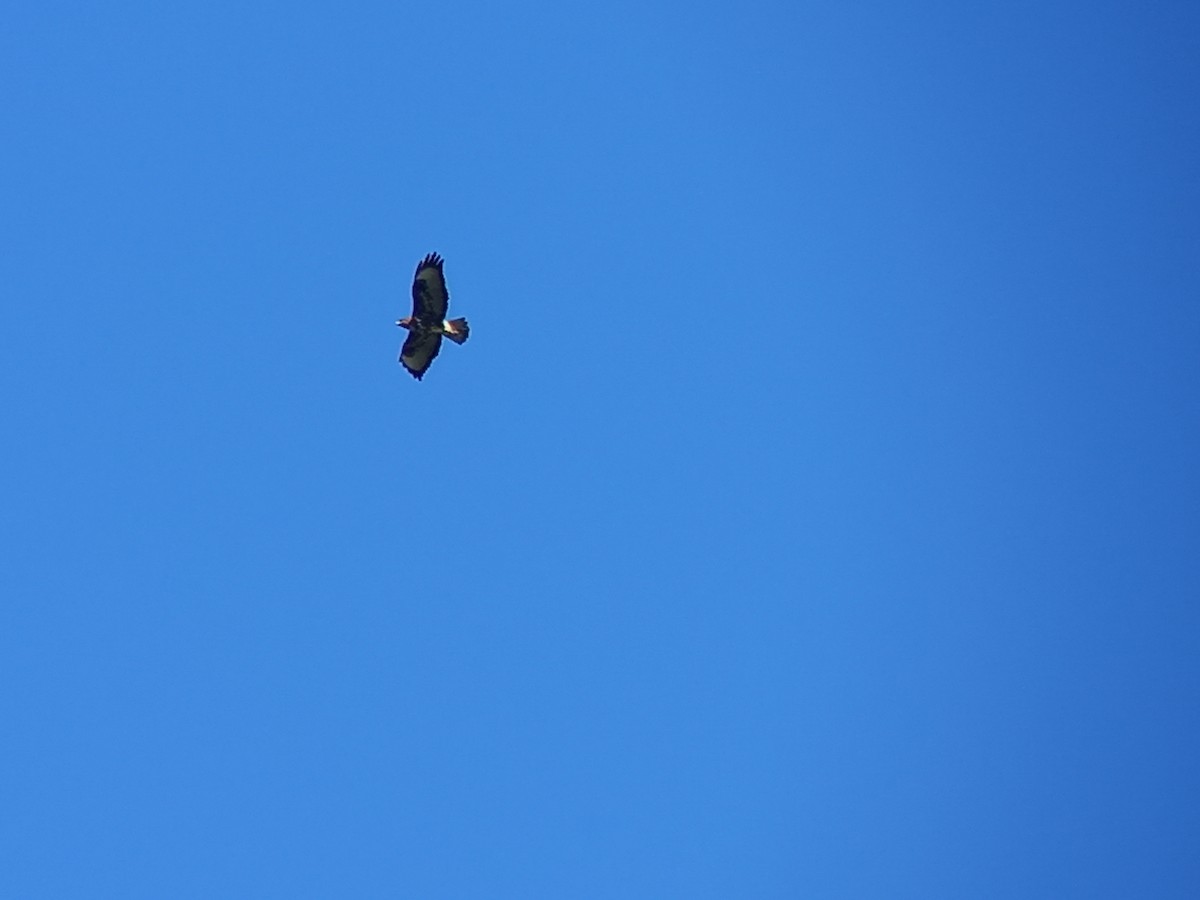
419,350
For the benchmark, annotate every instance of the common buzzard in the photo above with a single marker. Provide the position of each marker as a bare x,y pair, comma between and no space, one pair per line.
428,321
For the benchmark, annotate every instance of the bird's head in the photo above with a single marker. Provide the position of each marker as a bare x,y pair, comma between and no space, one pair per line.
405,322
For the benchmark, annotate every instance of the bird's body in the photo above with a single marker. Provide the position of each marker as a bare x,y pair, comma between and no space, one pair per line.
428,323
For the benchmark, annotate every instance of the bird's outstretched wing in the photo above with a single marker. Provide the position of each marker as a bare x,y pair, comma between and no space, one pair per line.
430,297
419,350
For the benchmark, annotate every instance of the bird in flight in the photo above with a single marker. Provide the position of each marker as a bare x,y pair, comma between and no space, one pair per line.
428,322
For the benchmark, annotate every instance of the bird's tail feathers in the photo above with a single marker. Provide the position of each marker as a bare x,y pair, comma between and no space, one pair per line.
457,330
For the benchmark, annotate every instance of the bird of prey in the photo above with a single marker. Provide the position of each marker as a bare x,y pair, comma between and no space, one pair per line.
428,321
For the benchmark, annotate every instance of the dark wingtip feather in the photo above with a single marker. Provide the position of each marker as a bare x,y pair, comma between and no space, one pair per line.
431,259
413,372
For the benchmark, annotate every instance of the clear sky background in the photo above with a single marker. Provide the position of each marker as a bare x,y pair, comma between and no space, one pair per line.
813,512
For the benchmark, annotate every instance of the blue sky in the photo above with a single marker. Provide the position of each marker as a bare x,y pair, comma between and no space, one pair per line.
813,512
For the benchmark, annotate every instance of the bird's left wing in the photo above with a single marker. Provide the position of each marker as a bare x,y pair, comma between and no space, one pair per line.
430,297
